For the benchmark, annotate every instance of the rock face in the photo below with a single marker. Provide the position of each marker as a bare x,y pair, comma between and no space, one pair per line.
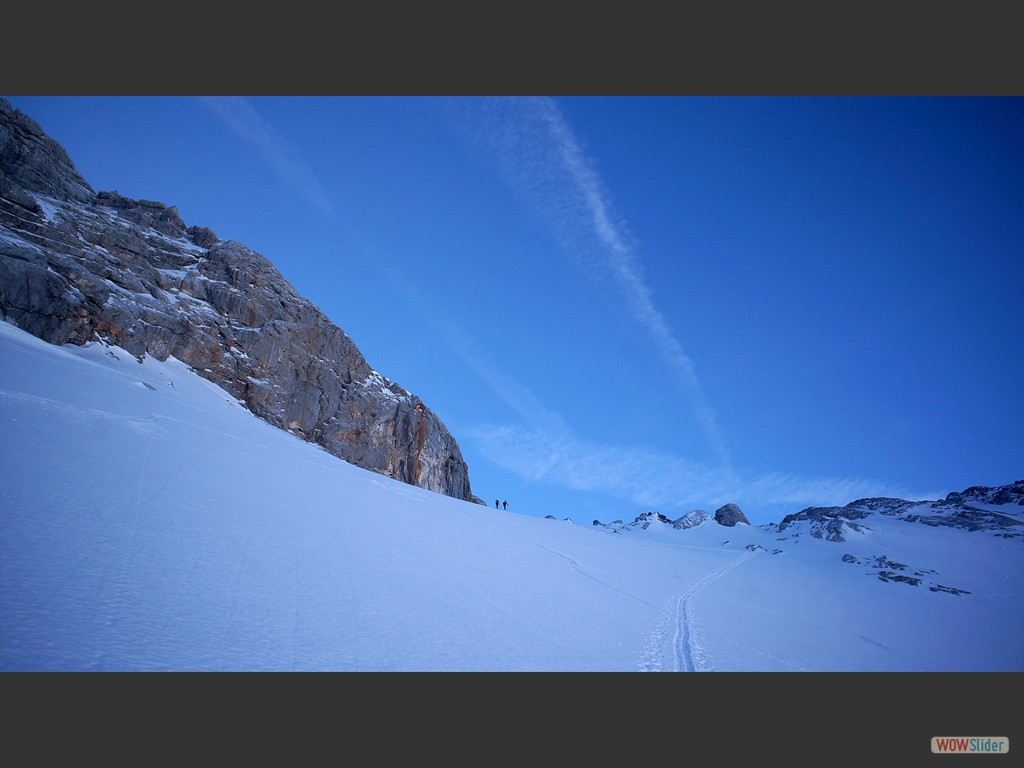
79,266
729,515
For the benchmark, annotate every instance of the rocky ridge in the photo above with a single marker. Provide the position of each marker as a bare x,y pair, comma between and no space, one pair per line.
998,510
978,511
78,266
727,515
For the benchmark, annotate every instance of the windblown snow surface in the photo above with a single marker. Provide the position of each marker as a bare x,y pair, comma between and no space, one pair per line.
148,521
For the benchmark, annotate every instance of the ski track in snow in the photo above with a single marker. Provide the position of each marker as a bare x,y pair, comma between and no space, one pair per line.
575,567
906,661
690,655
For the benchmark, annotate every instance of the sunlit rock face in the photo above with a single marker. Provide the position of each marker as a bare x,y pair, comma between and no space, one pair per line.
79,266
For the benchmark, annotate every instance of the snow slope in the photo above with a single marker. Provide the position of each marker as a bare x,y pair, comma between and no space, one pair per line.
149,522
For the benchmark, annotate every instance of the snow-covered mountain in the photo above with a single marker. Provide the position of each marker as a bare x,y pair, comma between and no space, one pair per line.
149,521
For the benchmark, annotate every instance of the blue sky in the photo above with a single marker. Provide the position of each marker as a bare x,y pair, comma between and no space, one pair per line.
626,304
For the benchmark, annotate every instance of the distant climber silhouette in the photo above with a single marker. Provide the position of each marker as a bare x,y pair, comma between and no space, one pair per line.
504,504
495,503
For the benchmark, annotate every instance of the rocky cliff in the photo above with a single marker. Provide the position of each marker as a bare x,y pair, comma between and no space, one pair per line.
78,266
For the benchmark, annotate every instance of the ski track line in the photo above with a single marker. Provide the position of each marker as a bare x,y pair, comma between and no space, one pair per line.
574,566
216,432
683,643
894,652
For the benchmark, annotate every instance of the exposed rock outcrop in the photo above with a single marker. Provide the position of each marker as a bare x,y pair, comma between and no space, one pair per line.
829,523
691,519
78,266
646,520
729,515
1012,493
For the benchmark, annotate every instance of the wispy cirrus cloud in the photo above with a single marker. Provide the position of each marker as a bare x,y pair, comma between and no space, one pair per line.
658,480
238,114
544,162
543,449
